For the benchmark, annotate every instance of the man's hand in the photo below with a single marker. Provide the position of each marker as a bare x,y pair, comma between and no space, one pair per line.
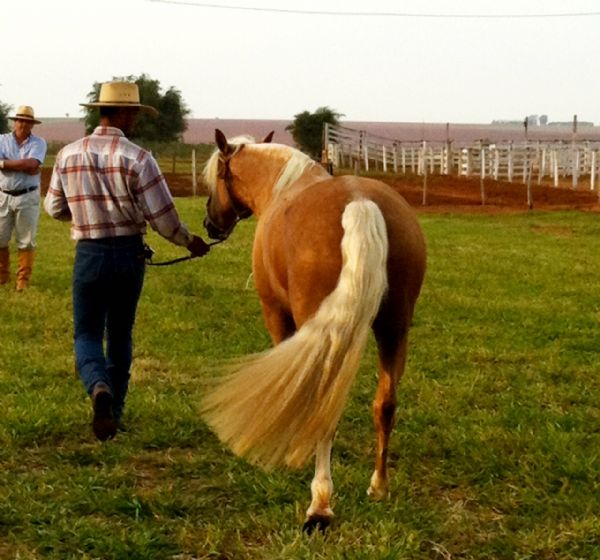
197,247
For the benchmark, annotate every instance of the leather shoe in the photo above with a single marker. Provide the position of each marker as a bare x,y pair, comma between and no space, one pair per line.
104,424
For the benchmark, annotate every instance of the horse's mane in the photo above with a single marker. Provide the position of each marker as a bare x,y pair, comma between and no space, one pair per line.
296,163
293,169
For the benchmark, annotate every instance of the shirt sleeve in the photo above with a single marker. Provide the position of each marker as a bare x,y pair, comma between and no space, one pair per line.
38,150
55,203
158,206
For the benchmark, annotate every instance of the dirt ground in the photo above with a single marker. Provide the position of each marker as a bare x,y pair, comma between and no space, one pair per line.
453,194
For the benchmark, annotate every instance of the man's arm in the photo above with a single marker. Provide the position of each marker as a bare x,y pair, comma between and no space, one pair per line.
31,166
55,203
159,210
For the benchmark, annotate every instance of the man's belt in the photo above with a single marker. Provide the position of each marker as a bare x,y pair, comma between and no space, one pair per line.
19,193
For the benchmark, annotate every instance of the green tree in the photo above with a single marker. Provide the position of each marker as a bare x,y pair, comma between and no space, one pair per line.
170,124
4,110
307,129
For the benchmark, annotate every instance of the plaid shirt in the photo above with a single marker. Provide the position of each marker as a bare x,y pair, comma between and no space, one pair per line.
108,186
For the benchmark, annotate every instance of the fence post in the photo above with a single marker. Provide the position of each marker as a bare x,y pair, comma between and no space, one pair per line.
529,194
496,163
360,146
469,162
424,176
449,158
593,170
325,136
482,177
575,168
542,166
194,184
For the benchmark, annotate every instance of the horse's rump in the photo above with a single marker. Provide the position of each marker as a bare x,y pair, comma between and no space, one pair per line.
299,241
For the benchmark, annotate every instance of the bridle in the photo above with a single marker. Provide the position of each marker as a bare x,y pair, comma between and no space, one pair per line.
241,212
224,172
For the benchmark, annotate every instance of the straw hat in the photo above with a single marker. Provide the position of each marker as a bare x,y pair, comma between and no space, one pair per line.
25,113
120,94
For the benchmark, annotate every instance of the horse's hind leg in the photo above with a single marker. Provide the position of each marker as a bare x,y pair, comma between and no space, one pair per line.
319,513
392,358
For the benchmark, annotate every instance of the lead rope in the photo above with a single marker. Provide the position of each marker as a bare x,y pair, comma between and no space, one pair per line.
149,252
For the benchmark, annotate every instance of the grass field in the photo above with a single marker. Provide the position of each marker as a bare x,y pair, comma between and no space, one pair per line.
495,455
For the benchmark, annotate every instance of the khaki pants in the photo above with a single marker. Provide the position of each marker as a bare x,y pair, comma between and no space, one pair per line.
19,214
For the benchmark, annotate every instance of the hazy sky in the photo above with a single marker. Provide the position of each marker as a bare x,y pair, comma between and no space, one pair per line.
231,63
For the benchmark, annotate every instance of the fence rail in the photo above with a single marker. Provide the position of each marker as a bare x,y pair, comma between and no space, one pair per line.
504,160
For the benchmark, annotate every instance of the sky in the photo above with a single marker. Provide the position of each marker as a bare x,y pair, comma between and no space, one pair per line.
430,65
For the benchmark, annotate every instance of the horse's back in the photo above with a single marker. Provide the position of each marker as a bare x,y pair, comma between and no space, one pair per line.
315,216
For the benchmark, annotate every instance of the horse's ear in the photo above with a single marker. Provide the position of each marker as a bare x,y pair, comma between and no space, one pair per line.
221,141
268,137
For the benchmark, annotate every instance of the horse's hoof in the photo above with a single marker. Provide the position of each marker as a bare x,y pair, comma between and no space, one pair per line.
378,494
320,522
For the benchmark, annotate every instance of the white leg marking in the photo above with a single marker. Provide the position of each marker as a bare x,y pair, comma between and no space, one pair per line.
321,486
378,489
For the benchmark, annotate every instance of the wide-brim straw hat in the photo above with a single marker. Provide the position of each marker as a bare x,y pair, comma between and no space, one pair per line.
25,113
120,94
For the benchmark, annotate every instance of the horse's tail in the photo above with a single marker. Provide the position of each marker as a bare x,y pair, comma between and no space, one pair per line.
276,406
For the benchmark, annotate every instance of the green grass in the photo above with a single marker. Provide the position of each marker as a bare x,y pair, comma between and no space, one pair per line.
495,455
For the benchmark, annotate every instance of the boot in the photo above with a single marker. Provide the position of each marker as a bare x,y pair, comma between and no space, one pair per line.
24,267
4,265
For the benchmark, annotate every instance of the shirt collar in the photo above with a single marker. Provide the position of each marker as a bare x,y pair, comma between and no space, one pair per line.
107,131
17,140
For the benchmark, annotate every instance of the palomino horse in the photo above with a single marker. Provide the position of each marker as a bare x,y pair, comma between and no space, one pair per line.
332,257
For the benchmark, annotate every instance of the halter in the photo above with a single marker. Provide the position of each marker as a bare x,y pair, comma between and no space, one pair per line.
224,172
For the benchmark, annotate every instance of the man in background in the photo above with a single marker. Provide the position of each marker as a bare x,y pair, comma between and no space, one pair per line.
108,187
21,157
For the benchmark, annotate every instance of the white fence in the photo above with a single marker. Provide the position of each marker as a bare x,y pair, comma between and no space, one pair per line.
510,161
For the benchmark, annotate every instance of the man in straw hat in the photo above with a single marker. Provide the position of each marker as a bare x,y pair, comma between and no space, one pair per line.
21,156
108,188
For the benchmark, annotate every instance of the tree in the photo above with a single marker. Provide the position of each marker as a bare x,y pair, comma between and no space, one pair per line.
4,110
307,129
167,127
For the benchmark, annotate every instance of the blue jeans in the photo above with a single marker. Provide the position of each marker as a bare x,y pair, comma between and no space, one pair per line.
108,276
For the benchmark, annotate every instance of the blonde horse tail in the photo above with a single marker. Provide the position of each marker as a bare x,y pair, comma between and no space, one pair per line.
275,407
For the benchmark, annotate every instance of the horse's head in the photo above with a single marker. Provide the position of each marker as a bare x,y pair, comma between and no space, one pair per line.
224,209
